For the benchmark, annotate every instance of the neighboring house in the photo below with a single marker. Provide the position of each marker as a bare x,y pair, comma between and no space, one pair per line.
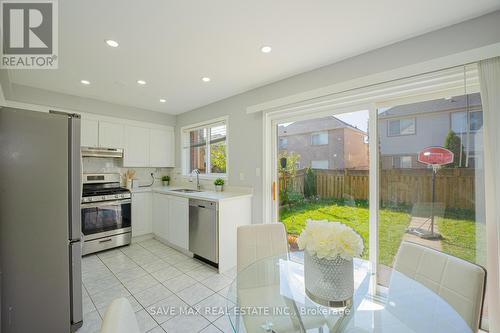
325,143
407,129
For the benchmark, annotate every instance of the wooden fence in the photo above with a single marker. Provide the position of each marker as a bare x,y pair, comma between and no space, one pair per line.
455,188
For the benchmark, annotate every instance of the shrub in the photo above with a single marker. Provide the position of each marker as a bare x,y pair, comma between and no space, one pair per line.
309,183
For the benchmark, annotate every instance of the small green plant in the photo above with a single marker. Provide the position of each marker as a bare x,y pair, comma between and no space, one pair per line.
165,178
219,182
295,198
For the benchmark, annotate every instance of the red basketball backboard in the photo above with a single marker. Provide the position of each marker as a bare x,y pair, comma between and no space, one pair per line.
435,156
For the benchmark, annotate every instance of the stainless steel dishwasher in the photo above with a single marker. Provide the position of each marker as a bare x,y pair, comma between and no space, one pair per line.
204,230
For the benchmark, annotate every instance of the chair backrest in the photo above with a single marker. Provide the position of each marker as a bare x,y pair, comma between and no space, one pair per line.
259,241
460,283
120,318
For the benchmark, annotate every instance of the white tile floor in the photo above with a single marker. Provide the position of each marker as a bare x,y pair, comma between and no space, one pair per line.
154,276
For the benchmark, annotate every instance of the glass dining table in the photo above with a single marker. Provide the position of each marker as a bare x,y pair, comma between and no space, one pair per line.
269,296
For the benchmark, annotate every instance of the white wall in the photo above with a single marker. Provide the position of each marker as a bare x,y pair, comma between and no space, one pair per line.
246,130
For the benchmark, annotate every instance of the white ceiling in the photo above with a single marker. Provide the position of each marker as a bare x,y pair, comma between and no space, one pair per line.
173,43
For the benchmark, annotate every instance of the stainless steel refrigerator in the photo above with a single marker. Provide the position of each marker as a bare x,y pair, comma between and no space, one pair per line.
40,229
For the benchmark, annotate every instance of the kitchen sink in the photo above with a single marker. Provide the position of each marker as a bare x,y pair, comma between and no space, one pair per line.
185,190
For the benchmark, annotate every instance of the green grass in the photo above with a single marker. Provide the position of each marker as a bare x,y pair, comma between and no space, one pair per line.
458,227
461,233
394,222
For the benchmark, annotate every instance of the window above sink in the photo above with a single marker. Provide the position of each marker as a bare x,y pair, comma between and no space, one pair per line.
204,147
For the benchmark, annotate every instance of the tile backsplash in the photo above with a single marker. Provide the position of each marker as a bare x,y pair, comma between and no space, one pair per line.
115,165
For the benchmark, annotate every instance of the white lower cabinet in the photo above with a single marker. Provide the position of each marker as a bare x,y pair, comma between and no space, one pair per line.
170,222
178,226
171,219
161,205
142,211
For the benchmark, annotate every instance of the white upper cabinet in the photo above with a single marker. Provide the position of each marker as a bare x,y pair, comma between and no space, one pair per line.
110,134
144,144
161,148
136,150
89,133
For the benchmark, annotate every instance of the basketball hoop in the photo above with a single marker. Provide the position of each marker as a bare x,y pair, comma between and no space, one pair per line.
436,157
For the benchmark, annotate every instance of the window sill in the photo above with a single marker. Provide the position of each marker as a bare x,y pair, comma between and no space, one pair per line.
208,177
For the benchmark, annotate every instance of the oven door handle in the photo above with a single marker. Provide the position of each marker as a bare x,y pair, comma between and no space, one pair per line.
105,203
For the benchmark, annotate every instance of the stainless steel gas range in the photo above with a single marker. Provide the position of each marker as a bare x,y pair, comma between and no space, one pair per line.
106,212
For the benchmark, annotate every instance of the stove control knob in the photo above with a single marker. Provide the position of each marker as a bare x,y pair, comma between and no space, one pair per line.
103,197
121,196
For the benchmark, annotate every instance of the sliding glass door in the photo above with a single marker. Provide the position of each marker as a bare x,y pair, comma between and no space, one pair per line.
441,208
323,172
370,166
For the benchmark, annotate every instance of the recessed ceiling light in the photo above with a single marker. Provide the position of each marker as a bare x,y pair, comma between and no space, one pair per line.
266,49
163,100
141,82
205,79
85,82
112,43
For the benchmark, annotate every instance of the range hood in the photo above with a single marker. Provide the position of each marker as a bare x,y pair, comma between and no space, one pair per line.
102,152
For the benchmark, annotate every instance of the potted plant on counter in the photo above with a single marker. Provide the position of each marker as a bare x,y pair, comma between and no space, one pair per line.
165,180
219,184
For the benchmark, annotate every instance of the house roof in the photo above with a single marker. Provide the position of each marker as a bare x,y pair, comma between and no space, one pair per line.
436,105
314,125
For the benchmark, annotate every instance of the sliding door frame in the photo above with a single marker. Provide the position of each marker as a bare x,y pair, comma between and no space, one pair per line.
271,204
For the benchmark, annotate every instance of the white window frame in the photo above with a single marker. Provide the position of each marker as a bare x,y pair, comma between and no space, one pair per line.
401,162
327,164
185,156
283,139
401,119
468,122
371,98
320,133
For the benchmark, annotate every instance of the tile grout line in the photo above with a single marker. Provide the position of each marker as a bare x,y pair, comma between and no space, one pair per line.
161,283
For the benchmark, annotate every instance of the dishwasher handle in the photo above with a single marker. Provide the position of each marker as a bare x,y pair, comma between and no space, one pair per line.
203,204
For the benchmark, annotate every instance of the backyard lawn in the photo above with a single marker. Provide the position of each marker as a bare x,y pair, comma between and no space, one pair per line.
395,222
460,236
458,227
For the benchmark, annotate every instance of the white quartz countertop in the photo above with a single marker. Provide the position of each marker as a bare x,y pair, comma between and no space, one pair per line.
203,195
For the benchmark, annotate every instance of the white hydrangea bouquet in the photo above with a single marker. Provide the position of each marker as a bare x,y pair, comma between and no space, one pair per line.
329,249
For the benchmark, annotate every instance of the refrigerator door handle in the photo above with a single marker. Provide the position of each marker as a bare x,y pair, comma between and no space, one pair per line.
75,179
76,285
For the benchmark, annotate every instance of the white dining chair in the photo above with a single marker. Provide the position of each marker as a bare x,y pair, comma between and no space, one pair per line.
258,241
459,282
120,318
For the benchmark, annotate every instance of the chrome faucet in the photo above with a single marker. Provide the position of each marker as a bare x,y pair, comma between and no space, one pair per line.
197,172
